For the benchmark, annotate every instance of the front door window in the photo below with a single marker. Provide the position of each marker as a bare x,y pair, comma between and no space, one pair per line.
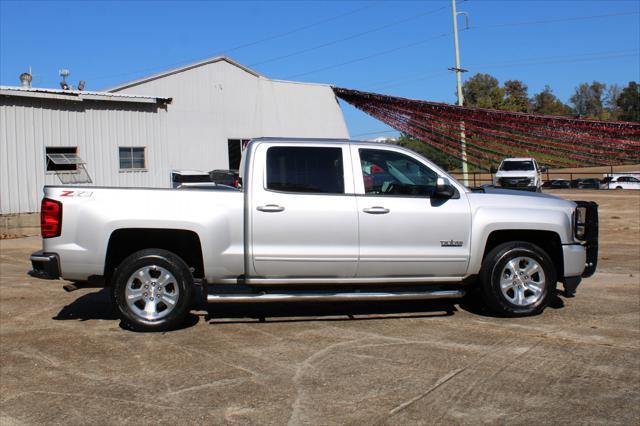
391,173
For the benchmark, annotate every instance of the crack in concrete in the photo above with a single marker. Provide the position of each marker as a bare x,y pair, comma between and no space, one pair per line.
215,383
84,395
447,377
441,381
306,364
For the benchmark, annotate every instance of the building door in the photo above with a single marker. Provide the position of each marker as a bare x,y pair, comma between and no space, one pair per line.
234,149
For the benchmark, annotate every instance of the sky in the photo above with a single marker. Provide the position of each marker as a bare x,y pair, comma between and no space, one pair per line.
401,48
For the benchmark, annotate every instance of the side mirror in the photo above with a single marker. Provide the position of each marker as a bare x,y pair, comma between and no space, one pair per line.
544,169
444,188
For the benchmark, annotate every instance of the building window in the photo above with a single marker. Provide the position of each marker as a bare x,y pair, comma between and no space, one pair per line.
305,169
132,157
56,163
235,148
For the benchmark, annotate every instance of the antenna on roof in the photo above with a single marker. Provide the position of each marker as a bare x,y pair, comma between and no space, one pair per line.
64,73
25,80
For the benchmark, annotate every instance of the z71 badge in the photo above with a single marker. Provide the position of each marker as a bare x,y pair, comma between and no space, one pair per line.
451,243
76,193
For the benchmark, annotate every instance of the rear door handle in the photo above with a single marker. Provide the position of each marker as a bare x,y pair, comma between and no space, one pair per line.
376,210
270,208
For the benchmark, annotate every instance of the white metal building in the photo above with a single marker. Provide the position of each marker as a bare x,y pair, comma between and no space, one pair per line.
194,117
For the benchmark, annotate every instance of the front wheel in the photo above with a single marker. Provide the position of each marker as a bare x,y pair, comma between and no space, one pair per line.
518,279
152,290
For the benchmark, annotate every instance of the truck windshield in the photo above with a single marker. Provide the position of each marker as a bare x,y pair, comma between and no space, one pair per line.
509,166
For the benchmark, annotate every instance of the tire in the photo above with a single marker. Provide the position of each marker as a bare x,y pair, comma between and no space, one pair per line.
522,288
152,290
619,187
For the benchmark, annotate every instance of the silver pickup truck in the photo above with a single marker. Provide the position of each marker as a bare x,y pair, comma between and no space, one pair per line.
316,220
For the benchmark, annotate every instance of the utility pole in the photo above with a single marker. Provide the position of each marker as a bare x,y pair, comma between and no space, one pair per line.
459,71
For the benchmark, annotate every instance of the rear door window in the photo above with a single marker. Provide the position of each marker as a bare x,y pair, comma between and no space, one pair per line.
305,169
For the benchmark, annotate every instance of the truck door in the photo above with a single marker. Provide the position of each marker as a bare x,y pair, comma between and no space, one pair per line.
304,221
404,231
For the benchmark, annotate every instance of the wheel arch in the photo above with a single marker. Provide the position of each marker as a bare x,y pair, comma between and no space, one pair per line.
548,241
125,241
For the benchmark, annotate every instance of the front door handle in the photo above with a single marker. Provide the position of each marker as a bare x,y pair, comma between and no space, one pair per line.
270,208
376,210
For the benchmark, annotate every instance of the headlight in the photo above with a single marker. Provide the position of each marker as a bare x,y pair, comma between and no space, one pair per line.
580,222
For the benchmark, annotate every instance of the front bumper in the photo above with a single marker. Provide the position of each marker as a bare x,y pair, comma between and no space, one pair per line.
45,265
590,237
575,259
581,260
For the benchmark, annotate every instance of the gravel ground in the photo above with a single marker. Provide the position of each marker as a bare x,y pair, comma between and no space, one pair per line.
65,359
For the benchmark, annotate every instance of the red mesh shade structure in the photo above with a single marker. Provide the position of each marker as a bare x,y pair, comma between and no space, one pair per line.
492,135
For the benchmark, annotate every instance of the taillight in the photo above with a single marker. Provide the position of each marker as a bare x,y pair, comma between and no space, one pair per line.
50,218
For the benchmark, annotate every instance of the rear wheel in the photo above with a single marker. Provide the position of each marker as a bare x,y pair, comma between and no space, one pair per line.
152,290
518,279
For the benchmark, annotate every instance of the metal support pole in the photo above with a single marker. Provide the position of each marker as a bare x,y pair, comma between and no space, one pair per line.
458,70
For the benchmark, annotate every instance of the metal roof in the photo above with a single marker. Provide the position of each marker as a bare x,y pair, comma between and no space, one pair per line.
182,69
78,95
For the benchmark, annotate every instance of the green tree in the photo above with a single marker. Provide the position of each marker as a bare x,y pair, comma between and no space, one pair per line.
611,101
483,91
516,96
547,103
442,159
629,102
588,100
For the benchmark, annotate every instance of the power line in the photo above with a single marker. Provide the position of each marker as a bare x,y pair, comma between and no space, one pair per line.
514,64
375,133
536,22
374,55
551,21
351,37
385,52
248,44
545,58
561,61
393,83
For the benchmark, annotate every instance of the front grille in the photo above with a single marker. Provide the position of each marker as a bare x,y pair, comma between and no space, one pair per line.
515,182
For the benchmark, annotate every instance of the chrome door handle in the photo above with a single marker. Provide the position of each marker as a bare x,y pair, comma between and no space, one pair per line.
376,210
270,208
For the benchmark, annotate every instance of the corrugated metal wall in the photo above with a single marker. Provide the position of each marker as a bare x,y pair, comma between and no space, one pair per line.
219,101
97,128
211,104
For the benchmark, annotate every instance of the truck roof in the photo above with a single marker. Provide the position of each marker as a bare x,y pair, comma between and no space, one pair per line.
190,172
323,140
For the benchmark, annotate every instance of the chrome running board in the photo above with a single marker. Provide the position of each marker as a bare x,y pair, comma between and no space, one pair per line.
319,296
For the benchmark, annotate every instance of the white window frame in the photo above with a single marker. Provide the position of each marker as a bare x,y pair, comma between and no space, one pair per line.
47,160
133,169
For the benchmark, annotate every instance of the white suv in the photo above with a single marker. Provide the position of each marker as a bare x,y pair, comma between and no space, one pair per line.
620,182
519,173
